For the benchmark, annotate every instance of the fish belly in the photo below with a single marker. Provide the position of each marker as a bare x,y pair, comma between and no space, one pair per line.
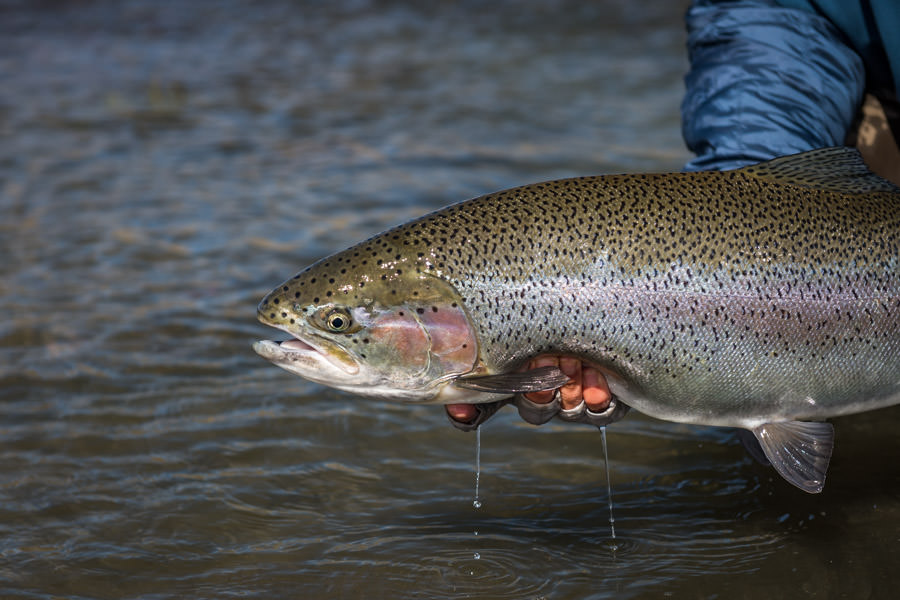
717,358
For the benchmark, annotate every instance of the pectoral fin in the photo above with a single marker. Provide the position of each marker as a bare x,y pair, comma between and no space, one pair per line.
799,451
535,380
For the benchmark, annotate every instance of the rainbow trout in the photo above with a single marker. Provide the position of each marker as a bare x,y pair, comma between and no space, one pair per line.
765,298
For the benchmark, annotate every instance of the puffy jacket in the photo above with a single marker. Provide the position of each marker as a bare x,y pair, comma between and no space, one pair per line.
775,77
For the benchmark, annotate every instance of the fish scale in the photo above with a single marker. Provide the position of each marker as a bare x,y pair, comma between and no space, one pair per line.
740,298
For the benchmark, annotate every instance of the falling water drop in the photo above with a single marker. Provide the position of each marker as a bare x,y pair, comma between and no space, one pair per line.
477,503
612,521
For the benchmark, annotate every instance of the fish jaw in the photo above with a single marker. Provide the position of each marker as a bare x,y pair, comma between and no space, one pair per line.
300,358
318,360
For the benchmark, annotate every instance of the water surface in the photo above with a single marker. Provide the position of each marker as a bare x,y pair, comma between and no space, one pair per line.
164,164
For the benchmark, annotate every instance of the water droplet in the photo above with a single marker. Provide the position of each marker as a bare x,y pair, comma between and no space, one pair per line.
477,503
612,521
477,556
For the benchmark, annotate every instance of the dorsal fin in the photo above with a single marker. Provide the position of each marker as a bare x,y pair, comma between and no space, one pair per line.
836,169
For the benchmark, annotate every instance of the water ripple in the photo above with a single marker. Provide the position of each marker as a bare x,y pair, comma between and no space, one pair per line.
164,164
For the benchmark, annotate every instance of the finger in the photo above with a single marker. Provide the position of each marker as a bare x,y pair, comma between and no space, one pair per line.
570,394
461,412
542,361
596,392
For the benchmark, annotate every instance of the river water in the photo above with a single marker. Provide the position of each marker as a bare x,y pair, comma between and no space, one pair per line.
164,164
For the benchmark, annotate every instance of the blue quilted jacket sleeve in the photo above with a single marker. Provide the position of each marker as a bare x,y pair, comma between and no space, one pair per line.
765,81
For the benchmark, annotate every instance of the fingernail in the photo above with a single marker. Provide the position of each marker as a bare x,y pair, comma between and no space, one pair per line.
569,366
461,412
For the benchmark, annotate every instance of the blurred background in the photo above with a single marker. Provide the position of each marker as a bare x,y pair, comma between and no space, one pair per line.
164,164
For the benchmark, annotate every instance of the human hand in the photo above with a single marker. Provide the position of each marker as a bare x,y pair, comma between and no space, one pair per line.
585,384
586,398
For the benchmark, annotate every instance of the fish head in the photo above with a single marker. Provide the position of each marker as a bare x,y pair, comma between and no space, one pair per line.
377,328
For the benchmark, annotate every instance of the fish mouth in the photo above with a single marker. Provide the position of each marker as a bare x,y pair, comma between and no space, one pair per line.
314,359
295,345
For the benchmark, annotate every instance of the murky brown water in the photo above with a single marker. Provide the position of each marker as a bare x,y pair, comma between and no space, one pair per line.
164,164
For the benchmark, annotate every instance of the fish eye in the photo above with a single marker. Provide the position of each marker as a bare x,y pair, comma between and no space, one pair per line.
337,321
